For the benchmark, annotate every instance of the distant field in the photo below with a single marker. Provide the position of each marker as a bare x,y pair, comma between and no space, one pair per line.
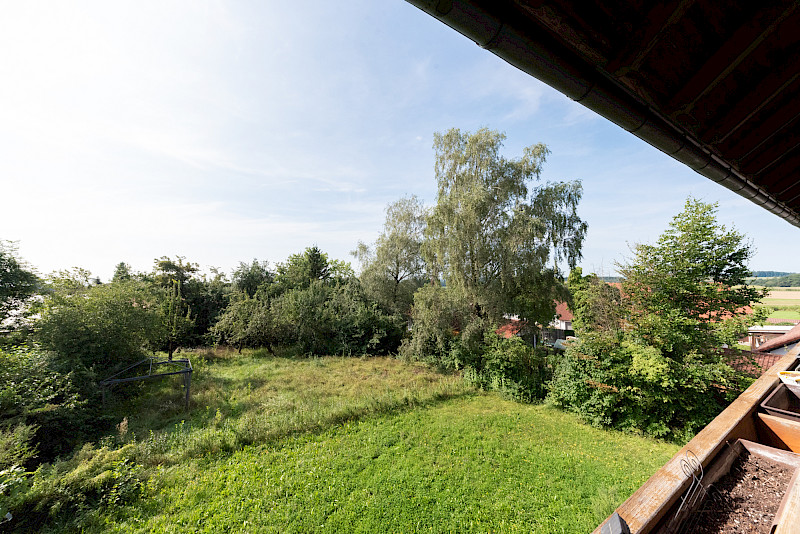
785,293
772,302
785,314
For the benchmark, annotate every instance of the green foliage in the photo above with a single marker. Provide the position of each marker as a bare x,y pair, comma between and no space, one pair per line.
652,361
394,270
324,319
17,281
29,385
202,298
247,278
769,274
444,332
786,280
632,386
315,304
597,306
512,367
122,272
95,330
300,270
71,493
249,322
490,236
684,288
17,446
176,320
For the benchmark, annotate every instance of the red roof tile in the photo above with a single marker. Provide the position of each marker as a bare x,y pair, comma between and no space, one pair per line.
512,328
563,312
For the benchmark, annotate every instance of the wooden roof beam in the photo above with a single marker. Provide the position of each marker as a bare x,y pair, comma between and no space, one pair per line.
735,50
658,22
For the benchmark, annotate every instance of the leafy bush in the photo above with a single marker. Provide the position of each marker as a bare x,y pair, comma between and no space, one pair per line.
338,319
16,445
512,367
321,318
628,385
93,331
70,493
444,332
39,407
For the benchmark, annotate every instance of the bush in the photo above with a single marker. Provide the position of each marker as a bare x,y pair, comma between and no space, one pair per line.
627,385
38,402
444,333
72,492
94,331
321,318
512,367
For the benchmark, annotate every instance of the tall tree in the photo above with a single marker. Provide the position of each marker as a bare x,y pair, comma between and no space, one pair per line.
122,271
17,281
490,234
300,270
652,358
686,287
393,269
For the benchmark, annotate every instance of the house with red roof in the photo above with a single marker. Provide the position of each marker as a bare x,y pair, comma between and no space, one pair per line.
557,329
782,344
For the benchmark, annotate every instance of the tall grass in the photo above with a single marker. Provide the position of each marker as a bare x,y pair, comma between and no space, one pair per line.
239,400
279,444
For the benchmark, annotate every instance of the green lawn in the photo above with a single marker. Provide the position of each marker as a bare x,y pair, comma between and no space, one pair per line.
473,464
364,445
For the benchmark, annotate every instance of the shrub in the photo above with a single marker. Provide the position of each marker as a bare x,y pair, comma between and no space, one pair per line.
444,332
93,331
628,385
71,492
38,402
512,367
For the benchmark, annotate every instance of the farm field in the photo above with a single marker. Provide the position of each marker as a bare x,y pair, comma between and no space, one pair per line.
366,445
785,303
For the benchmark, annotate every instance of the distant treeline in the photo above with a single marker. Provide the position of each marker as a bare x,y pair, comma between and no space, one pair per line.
611,279
788,280
769,274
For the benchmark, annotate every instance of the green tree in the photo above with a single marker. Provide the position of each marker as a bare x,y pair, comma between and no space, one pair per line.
93,331
17,281
202,297
651,359
122,272
394,269
249,277
300,270
685,288
490,235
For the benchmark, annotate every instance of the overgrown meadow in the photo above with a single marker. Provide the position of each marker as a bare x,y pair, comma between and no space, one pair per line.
279,444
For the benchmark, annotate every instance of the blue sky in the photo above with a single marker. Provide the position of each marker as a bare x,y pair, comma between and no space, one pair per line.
226,131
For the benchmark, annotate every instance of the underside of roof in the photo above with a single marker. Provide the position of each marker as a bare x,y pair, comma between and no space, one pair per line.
715,85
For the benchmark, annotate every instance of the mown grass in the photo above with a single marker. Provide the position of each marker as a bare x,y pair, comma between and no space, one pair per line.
474,464
344,445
